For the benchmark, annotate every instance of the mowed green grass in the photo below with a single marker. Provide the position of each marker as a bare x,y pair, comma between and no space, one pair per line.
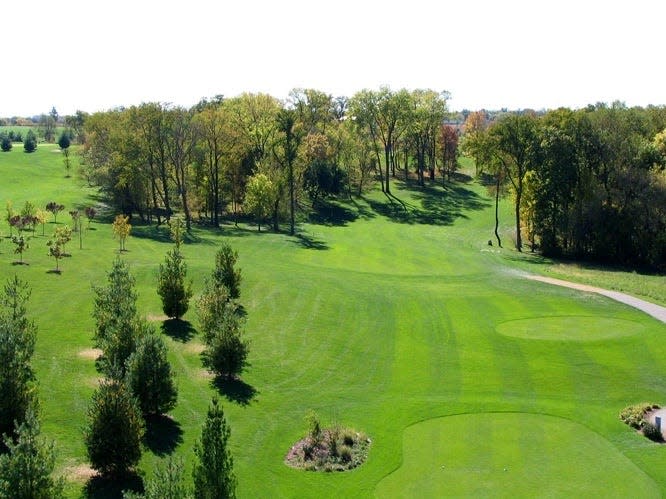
508,461
391,319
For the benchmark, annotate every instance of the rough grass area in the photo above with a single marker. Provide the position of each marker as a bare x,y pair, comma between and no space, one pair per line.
336,449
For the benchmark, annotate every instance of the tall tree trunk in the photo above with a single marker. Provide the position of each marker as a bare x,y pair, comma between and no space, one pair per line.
519,241
497,195
387,156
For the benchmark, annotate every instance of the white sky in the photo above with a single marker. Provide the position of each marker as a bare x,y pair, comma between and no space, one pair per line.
96,54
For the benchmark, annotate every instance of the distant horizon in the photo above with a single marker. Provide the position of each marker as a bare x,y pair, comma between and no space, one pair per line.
489,55
451,109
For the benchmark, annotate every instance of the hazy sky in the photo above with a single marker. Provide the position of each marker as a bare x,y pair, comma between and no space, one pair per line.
97,54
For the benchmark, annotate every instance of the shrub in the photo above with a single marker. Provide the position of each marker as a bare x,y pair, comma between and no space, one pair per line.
5,143
314,426
652,432
634,415
345,454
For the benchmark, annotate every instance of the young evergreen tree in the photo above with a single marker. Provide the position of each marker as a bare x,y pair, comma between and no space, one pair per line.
149,376
167,483
26,469
5,143
115,304
172,286
118,326
30,142
225,273
17,345
226,351
114,429
213,472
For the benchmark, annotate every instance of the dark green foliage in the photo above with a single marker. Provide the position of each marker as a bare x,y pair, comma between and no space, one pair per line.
118,326
167,483
172,286
652,432
17,345
5,143
26,469
64,140
599,188
115,304
30,142
225,273
323,178
149,376
213,472
114,429
226,351
226,354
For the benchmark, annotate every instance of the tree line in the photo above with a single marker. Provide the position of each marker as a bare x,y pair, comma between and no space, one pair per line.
589,183
256,155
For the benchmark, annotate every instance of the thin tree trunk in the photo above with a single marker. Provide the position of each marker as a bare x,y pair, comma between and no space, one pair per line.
497,195
387,156
519,242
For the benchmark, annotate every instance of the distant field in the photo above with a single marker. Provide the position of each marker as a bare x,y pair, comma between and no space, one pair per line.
395,319
24,129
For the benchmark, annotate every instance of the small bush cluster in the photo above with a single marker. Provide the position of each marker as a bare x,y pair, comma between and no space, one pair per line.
652,432
634,415
328,449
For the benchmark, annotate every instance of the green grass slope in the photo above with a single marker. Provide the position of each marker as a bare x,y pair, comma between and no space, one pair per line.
384,314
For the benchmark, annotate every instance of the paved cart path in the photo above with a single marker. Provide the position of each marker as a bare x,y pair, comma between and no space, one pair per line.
656,311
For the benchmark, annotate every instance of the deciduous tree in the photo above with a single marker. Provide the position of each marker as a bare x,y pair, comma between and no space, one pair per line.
54,208
121,230
259,196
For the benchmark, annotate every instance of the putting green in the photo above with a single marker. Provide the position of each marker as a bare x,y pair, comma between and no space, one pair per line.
511,455
569,328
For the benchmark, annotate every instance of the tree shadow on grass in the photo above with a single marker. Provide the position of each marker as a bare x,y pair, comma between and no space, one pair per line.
433,205
332,213
235,389
308,241
178,330
112,486
163,434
